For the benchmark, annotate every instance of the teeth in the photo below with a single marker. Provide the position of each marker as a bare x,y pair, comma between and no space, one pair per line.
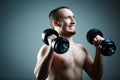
71,26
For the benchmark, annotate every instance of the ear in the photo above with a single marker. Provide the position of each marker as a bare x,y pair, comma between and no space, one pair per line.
55,23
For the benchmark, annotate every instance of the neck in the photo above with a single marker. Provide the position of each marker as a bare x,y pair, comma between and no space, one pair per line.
69,38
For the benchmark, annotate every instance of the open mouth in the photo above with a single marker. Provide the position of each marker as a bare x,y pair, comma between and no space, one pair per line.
72,25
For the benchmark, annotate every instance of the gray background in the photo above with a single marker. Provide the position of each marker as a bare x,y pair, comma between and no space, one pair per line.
22,22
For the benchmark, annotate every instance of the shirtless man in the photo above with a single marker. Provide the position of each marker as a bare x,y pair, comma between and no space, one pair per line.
68,66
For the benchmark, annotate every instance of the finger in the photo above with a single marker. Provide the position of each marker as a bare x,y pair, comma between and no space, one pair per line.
99,38
52,36
50,41
95,41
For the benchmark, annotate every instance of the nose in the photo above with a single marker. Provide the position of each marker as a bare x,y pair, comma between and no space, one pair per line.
73,20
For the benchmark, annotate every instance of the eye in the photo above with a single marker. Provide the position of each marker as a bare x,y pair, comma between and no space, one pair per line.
66,17
73,16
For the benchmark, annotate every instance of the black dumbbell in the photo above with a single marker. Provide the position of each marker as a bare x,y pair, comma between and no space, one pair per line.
107,46
59,45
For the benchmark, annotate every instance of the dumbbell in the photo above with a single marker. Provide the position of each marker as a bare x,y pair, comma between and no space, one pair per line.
107,46
59,45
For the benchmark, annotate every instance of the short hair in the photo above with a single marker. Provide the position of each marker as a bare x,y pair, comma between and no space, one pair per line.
54,15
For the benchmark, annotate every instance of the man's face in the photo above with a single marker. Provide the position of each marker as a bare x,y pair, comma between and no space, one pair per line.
67,22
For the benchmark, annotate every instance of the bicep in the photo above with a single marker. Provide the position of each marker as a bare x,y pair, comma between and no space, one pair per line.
88,63
41,52
40,55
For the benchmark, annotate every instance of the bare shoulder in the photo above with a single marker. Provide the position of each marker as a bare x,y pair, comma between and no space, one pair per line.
82,47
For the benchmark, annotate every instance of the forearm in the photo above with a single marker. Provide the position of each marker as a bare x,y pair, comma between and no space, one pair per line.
42,67
97,65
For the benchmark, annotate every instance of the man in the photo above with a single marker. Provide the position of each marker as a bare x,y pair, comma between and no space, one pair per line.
68,66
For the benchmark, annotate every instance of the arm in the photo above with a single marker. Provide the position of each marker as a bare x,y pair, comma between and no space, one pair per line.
94,68
44,59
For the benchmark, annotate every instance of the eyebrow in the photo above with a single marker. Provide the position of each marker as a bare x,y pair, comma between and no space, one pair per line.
67,16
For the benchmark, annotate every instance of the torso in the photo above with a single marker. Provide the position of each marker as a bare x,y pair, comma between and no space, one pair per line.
68,66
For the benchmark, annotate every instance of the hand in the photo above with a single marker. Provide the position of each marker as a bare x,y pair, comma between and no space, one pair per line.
97,40
51,38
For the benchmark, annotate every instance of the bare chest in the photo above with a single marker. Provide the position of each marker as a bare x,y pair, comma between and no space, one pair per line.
68,65
74,58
